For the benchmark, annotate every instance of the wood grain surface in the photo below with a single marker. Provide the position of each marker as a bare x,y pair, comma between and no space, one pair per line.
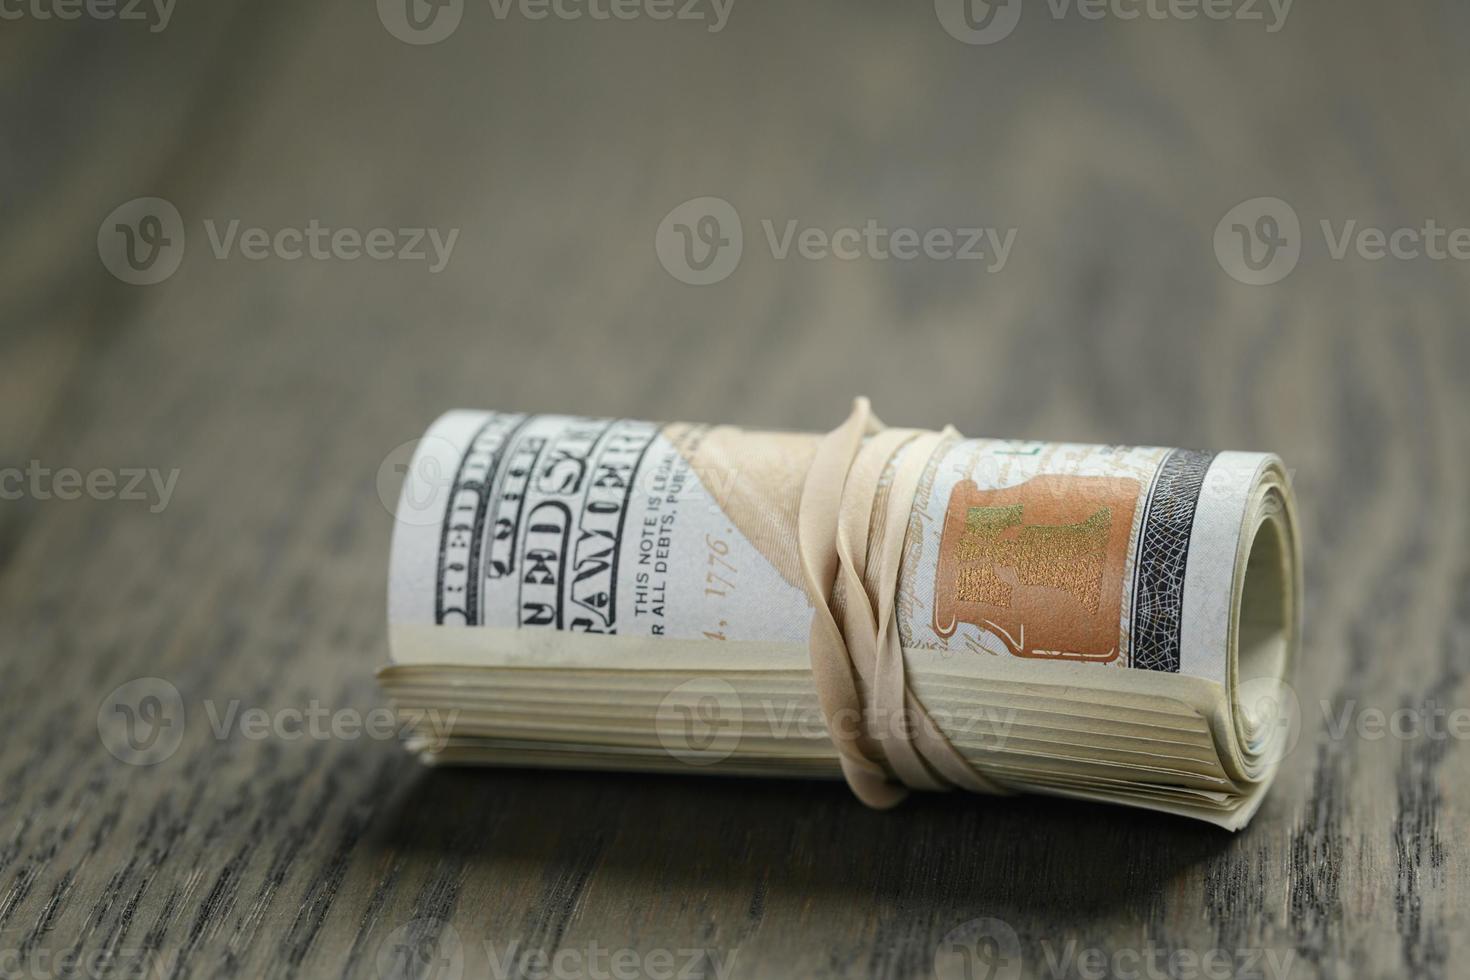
275,389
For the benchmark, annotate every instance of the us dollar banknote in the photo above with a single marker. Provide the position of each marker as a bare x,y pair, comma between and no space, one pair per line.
1106,622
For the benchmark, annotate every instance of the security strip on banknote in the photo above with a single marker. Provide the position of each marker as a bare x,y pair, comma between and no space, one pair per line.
1111,623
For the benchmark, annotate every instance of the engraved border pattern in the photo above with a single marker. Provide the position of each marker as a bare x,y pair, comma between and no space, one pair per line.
1163,551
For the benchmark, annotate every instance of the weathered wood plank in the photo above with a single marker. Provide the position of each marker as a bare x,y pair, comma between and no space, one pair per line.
275,389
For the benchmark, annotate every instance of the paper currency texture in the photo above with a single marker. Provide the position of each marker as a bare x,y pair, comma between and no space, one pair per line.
1103,622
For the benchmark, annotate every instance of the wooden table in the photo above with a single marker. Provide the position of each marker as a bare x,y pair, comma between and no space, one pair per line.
276,388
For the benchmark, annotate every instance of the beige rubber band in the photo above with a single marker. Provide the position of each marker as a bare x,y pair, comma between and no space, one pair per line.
886,743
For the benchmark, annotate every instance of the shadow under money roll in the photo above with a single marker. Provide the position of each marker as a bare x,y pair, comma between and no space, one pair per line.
902,608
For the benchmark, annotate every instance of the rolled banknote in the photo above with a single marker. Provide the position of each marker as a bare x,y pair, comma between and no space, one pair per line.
1110,623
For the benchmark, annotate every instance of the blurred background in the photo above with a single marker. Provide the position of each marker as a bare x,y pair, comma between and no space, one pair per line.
257,246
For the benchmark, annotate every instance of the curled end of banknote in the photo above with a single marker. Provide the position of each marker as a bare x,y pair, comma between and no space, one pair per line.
1266,626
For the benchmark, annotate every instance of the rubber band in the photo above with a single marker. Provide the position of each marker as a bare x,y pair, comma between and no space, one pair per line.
886,741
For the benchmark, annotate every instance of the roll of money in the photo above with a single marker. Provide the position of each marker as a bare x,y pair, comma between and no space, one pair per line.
1109,623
